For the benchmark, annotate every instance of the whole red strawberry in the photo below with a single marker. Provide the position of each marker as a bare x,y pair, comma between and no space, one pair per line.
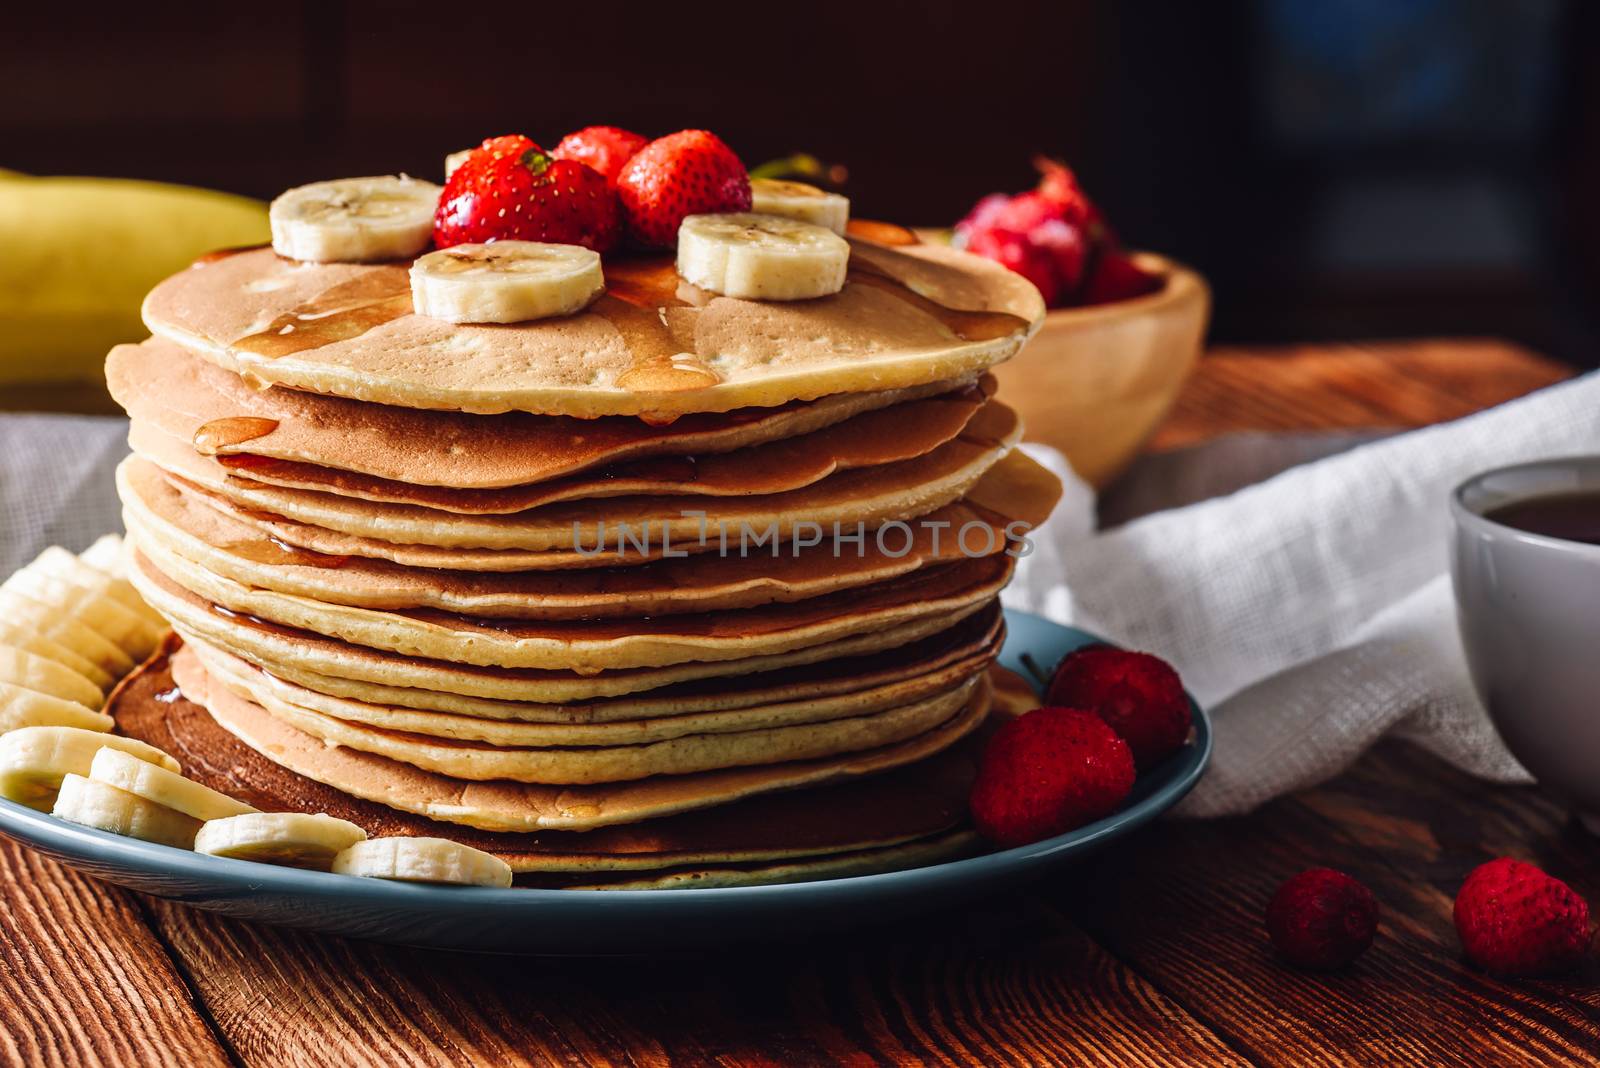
1322,918
690,172
1516,920
604,148
1117,277
1046,772
1137,694
510,188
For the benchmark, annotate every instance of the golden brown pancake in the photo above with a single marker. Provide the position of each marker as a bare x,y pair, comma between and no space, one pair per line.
648,347
1015,491
870,495
218,413
924,799
504,806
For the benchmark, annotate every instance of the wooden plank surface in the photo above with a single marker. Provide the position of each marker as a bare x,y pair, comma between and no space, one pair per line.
1151,953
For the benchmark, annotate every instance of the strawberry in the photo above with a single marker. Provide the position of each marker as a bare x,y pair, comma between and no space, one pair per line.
690,172
1322,918
1047,772
605,148
510,188
1138,695
1117,277
1059,185
1011,249
1516,920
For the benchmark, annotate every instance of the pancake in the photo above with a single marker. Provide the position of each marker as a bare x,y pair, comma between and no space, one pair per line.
1014,491
164,385
924,799
870,496
600,645
289,653
648,347
503,806
845,682
479,761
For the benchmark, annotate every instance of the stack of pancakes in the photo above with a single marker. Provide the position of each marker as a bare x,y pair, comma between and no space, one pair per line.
679,590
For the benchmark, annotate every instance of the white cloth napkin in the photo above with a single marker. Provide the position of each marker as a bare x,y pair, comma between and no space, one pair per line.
1311,612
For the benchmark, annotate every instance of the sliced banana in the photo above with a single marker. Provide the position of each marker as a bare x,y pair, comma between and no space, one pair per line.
21,707
21,637
106,555
32,672
20,610
423,860
354,220
293,839
163,787
797,200
761,257
97,610
34,760
505,282
454,160
106,808
57,562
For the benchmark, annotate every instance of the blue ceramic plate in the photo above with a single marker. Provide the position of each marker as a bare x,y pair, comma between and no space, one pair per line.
602,922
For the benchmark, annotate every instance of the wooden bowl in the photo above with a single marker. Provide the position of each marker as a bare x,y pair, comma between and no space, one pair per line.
1096,382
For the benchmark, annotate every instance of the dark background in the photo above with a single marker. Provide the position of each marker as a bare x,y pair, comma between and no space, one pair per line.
1338,168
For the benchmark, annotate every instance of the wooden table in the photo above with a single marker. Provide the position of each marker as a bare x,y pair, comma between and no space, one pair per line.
1151,953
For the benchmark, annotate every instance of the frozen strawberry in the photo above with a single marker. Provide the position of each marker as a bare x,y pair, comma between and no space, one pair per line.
1067,248
690,172
511,189
983,213
604,148
1516,920
1138,695
1059,185
1046,772
1011,249
1117,277
1322,918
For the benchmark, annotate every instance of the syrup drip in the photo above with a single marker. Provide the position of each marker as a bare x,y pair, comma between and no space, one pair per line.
271,550
638,294
224,253
345,311
966,325
220,434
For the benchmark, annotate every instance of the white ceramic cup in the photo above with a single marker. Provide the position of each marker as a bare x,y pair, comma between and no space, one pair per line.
1528,606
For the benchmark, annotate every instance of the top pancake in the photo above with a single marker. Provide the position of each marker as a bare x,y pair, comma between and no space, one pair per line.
649,347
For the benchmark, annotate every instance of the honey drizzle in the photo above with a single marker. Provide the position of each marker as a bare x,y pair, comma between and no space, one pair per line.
966,325
220,434
379,295
270,550
639,293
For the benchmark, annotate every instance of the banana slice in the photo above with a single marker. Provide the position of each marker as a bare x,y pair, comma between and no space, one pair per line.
34,760
761,257
163,787
354,220
423,860
58,563
21,707
106,555
505,282
19,636
96,610
454,160
106,808
797,200
293,839
20,610
32,672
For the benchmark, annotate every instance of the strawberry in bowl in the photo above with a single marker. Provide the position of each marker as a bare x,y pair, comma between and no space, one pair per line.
1123,333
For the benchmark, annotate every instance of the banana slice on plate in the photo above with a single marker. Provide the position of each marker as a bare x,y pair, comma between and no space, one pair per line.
454,160
20,610
354,220
423,860
59,563
797,200
34,760
21,707
162,787
106,808
761,257
106,555
505,282
293,839
95,609
32,672
19,636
